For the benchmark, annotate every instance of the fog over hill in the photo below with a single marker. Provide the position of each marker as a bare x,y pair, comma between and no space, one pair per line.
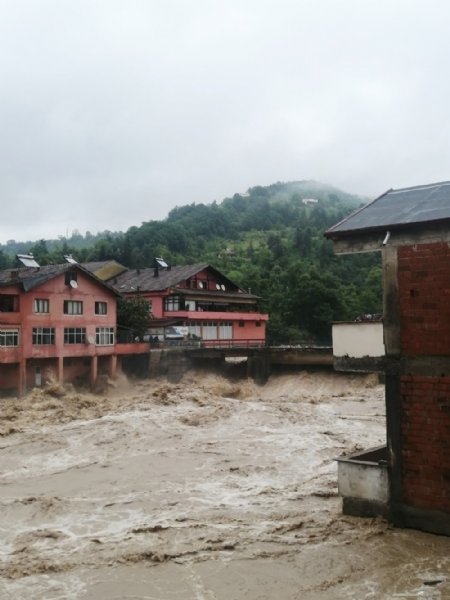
269,239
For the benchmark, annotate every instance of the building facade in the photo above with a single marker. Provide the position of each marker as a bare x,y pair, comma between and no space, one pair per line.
411,228
196,302
57,323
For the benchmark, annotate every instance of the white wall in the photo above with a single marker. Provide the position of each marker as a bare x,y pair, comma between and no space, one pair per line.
357,340
367,482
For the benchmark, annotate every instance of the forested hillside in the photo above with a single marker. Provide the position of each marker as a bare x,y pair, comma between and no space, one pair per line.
269,240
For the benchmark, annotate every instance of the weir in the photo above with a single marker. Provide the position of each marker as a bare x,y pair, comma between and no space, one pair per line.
175,361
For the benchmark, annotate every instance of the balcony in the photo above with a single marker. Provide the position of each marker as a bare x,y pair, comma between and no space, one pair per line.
10,354
128,348
210,315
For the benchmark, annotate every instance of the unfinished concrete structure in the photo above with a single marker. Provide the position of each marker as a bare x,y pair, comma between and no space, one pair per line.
411,228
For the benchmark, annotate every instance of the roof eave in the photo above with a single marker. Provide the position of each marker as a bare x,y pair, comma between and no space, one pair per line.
332,235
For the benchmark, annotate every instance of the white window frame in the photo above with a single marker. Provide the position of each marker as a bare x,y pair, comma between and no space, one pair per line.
209,330
41,305
74,335
101,307
73,307
9,337
172,303
104,336
43,336
225,330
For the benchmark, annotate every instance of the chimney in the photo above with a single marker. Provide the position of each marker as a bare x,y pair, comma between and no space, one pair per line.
156,272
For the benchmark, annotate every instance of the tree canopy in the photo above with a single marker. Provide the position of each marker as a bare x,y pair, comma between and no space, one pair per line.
269,240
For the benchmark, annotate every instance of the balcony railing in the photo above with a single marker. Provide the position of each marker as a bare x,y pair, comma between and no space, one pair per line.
208,344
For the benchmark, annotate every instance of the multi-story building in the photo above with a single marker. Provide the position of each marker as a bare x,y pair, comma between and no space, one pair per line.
193,301
56,322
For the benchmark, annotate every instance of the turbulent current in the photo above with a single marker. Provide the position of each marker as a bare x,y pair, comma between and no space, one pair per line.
206,490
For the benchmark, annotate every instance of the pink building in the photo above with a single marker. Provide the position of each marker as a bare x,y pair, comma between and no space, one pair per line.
56,322
193,301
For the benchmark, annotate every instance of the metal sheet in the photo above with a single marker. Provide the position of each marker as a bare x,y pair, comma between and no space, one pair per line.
407,206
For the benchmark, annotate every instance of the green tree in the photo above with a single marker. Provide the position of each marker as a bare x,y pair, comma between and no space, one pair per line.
134,315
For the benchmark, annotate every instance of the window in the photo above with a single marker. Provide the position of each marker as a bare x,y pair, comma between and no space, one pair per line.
43,335
73,307
209,330
41,305
194,330
74,335
172,303
189,305
9,303
258,323
225,330
101,308
241,323
104,336
70,276
9,337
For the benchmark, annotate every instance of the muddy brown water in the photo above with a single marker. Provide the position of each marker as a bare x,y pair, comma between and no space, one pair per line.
204,490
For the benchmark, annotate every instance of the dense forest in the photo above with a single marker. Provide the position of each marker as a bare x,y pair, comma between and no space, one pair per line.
269,240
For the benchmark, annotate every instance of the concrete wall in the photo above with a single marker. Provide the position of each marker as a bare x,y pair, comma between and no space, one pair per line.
363,483
358,340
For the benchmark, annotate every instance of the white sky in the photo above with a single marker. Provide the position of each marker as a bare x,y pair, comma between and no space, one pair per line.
112,112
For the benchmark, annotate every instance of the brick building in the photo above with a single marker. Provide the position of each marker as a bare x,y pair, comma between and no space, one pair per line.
411,228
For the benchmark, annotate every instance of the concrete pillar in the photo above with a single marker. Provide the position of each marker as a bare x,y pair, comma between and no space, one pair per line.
94,371
259,367
177,365
113,366
21,383
60,374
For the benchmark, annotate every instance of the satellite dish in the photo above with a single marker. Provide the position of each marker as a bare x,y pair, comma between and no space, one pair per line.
200,284
91,340
217,286
222,287
73,284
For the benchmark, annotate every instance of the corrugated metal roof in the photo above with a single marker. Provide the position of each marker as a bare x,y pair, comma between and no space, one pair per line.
398,208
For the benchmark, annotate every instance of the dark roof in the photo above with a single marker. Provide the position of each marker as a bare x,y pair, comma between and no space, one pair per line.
144,280
31,277
400,208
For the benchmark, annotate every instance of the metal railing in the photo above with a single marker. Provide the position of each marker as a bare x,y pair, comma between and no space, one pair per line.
226,344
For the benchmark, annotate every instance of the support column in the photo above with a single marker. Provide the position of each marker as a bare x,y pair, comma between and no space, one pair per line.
113,366
60,373
259,367
94,371
22,383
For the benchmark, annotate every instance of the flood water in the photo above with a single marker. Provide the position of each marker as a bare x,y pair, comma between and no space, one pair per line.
204,490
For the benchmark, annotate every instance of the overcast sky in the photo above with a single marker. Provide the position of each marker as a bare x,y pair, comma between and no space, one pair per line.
112,112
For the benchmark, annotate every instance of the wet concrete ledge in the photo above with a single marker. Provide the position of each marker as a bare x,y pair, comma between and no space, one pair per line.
363,483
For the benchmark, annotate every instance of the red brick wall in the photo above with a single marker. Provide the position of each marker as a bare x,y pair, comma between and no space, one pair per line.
426,441
424,288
